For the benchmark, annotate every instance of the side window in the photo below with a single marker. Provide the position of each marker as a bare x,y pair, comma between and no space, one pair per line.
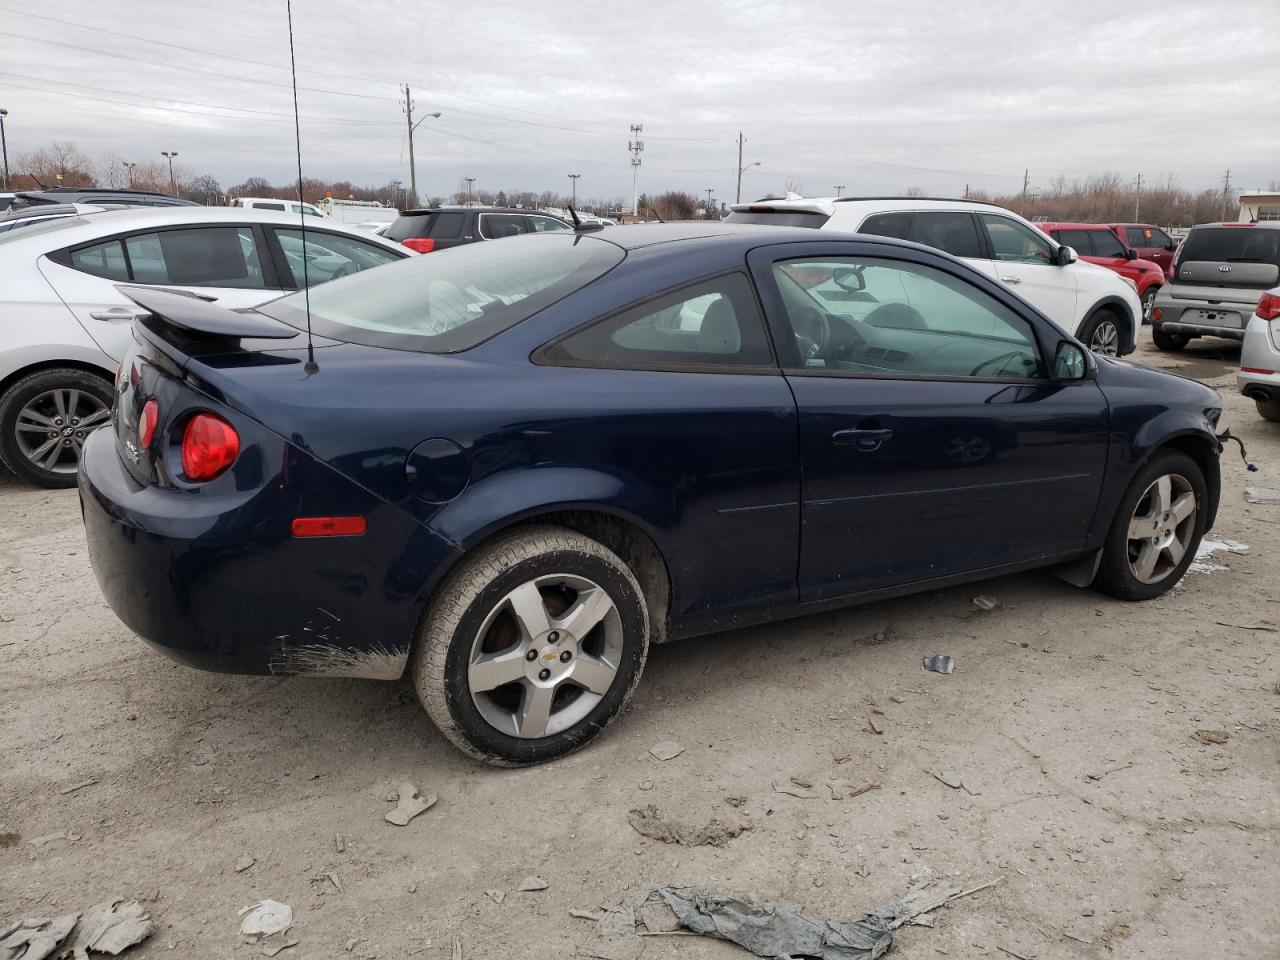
1106,244
328,256
1158,238
269,206
893,225
496,225
1077,240
890,317
447,226
198,257
953,232
1015,242
1138,237
101,260
715,322
547,223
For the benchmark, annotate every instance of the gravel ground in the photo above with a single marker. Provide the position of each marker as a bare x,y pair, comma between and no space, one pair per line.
1070,720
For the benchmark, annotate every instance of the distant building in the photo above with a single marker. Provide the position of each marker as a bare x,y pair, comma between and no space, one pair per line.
1259,206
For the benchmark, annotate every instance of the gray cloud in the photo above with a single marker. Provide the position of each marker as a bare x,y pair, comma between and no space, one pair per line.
876,96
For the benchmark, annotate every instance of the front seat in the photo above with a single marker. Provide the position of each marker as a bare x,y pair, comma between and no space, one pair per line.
719,332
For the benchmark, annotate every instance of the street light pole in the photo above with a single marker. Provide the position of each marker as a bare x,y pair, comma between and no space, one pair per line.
839,190
470,196
130,166
573,180
4,146
709,191
413,169
741,168
169,155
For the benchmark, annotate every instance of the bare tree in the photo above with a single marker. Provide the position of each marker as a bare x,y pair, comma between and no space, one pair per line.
675,205
59,164
915,192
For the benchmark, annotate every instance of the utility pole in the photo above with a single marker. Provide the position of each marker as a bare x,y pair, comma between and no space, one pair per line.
1226,189
4,146
709,192
407,106
636,146
1137,196
1026,182
966,191
130,166
470,197
741,168
169,155
573,180
839,190
395,194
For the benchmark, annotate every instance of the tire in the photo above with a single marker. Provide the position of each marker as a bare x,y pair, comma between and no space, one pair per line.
474,618
44,419
1120,573
1148,301
1103,333
1169,342
1269,410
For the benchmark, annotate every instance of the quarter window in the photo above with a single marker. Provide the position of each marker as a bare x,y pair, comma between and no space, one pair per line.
328,256
199,257
493,226
874,317
547,223
1015,242
269,206
893,225
101,260
715,322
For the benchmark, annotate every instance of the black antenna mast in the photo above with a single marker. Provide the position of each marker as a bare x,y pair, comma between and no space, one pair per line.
311,366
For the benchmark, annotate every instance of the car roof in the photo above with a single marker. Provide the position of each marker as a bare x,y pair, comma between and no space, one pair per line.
634,236
1072,225
832,205
90,226
1265,224
447,208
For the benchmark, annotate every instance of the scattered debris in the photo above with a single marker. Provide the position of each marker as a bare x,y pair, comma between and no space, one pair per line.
497,896
10,838
244,863
949,777
666,750
1211,736
646,784
983,602
1106,773
339,844
1203,563
648,822
940,664
845,790
51,837
1264,626
802,789
265,919
585,915
355,942
735,801
777,930
532,884
333,878
457,947
199,761
409,804
35,938
77,786
1120,931
1262,495
875,726
273,949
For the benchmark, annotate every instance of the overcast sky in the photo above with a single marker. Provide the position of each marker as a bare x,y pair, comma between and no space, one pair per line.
877,97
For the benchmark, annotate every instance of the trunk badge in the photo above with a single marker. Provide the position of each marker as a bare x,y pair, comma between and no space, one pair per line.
131,449
1224,269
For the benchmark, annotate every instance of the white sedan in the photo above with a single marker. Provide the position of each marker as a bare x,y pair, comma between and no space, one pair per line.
67,326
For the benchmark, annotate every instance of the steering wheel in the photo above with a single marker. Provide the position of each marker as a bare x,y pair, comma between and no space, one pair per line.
1002,359
812,328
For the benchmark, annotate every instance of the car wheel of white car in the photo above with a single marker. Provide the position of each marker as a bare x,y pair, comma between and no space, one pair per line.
1269,410
45,419
1101,333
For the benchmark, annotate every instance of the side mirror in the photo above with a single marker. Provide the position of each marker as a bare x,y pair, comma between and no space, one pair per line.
1130,253
1070,362
1066,256
850,278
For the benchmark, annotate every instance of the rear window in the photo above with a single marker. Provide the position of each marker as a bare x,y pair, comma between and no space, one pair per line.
454,299
1231,245
779,218
409,225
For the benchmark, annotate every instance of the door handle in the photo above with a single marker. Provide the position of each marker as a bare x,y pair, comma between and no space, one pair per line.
117,314
1011,279
865,440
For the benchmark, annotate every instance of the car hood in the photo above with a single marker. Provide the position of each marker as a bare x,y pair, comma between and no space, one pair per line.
1126,376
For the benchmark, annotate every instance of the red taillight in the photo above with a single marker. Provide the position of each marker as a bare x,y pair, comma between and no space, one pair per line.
328,526
147,423
420,244
1255,370
209,446
1156,314
1269,306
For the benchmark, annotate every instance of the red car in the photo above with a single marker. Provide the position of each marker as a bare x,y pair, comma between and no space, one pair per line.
1098,243
1149,242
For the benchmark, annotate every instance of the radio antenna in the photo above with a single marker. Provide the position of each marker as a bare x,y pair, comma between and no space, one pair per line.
311,366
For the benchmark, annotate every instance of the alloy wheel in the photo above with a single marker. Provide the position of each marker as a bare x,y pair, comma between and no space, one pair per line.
1105,339
1162,528
545,655
1148,304
52,426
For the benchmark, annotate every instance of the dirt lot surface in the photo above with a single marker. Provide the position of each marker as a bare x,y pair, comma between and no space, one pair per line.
1070,719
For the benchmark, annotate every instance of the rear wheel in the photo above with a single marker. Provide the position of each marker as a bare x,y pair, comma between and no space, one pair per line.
1169,342
1101,332
1269,410
44,420
1156,530
532,647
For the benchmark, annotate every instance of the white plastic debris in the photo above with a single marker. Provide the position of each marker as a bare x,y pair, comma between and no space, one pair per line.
666,750
265,919
1204,563
410,804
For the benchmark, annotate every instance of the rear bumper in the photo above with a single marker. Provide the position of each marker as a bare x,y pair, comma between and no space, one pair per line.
1178,315
219,583
1200,330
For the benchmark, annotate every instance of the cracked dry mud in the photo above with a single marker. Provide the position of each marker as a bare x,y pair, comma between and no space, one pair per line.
1083,785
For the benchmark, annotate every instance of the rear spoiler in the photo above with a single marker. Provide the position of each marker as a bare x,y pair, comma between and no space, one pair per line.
816,207
198,318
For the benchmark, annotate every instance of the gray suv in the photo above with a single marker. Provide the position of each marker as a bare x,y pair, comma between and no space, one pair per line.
1219,273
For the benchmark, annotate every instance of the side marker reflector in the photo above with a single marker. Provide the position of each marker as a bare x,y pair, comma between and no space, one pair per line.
329,526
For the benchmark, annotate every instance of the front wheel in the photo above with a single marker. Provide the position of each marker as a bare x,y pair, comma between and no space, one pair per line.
532,647
44,420
1156,530
1148,303
1102,333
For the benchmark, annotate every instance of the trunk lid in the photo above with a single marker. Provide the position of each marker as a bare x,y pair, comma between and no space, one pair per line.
1234,257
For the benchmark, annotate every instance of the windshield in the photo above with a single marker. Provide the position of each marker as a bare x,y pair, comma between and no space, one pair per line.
453,299
1231,245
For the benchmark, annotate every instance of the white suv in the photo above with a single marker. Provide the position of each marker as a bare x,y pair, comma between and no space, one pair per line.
1097,306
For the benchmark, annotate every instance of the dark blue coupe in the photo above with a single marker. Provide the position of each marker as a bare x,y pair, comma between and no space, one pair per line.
510,467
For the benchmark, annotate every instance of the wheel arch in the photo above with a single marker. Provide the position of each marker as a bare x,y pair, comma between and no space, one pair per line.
1120,308
41,366
1203,450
